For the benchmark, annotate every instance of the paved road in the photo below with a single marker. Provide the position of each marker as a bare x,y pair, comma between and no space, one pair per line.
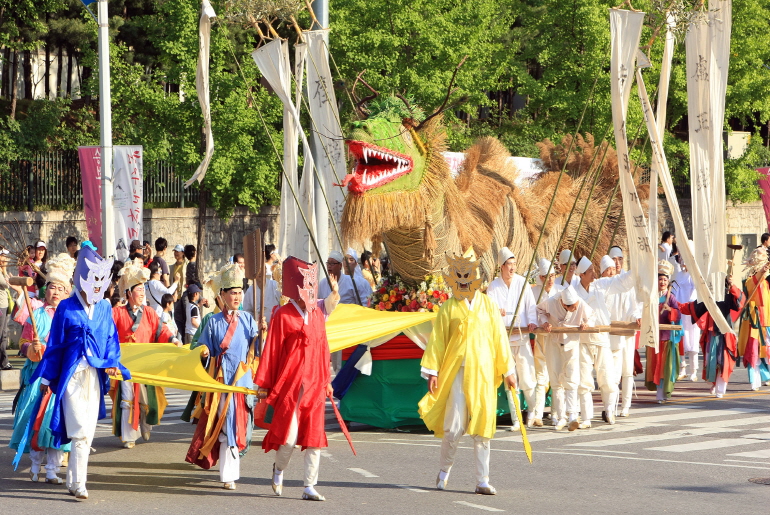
694,455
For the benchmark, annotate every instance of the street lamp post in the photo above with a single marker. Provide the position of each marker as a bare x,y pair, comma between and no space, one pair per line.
105,133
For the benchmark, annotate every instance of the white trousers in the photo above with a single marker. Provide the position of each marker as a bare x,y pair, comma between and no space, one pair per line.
690,363
455,424
541,377
312,454
81,413
721,385
624,368
525,374
564,373
229,461
127,431
53,461
594,357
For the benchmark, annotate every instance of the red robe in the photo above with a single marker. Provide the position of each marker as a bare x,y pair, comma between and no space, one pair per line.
295,355
150,329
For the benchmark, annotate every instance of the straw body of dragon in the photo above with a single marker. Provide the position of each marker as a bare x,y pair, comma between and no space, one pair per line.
401,193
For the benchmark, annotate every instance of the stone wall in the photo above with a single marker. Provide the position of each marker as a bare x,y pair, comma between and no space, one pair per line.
223,238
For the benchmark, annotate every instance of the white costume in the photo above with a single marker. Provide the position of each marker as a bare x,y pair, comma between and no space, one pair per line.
595,351
507,297
541,362
562,352
623,307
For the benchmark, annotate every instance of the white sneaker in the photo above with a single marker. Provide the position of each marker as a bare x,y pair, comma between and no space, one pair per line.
611,418
561,424
515,427
624,412
80,493
585,425
129,445
713,390
694,378
719,395
681,376
441,483
530,421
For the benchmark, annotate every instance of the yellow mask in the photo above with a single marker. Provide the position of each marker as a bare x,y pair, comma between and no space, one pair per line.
463,275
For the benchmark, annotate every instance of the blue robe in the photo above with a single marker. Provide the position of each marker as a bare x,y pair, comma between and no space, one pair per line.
72,337
212,337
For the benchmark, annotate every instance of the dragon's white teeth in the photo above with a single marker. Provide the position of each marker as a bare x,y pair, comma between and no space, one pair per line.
366,155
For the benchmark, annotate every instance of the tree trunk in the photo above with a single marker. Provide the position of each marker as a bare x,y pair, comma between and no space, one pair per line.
47,78
14,80
28,84
69,74
6,69
59,68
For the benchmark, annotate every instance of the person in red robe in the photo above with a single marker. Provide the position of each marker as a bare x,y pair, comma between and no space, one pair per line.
137,406
293,373
719,350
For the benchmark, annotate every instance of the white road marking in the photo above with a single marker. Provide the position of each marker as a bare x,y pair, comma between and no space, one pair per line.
673,435
705,445
764,453
412,489
698,414
730,423
758,436
537,436
597,450
477,506
363,472
744,461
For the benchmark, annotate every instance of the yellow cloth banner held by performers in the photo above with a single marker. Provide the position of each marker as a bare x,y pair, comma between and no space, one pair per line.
167,365
522,425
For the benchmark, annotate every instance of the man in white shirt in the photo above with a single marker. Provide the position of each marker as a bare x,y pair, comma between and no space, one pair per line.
543,291
595,351
624,308
665,248
347,289
563,352
567,259
156,289
505,290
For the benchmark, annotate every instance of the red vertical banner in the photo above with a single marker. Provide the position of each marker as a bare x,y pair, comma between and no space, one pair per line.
764,184
91,178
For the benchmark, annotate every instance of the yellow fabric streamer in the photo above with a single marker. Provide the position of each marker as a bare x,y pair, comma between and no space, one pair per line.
351,325
161,364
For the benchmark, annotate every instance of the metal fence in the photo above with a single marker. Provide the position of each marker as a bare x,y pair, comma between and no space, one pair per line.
51,181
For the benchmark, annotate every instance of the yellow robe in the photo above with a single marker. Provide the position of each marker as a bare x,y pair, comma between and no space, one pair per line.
761,303
478,337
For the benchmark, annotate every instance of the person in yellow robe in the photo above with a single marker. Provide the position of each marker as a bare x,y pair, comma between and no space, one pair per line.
465,361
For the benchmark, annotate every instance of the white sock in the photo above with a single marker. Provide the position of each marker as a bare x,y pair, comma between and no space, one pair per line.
443,475
483,484
278,477
310,490
572,416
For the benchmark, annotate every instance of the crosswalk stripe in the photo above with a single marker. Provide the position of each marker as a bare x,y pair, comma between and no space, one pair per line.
673,435
698,414
764,453
706,445
731,423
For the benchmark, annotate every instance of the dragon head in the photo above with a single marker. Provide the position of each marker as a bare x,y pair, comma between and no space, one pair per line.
387,155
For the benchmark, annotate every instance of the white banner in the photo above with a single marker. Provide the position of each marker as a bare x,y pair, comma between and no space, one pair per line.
328,140
294,238
202,88
665,78
626,30
128,196
661,163
708,53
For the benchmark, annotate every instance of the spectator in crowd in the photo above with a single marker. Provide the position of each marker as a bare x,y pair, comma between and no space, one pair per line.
240,260
180,268
5,296
370,268
72,247
191,275
666,246
167,314
193,313
146,253
156,289
161,244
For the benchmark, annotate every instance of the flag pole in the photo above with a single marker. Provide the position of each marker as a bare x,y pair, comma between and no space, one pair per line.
105,131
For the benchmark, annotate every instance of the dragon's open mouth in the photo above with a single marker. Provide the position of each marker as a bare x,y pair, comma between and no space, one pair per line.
464,286
374,166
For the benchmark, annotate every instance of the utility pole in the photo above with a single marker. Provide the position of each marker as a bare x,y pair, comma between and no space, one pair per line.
321,10
105,132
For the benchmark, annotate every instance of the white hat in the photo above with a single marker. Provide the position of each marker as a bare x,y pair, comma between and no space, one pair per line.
60,269
569,296
40,244
352,253
504,255
606,263
336,255
545,267
4,251
583,265
179,248
667,269
566,255
616,252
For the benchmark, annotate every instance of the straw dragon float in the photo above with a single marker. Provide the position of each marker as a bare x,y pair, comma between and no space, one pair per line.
401,192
